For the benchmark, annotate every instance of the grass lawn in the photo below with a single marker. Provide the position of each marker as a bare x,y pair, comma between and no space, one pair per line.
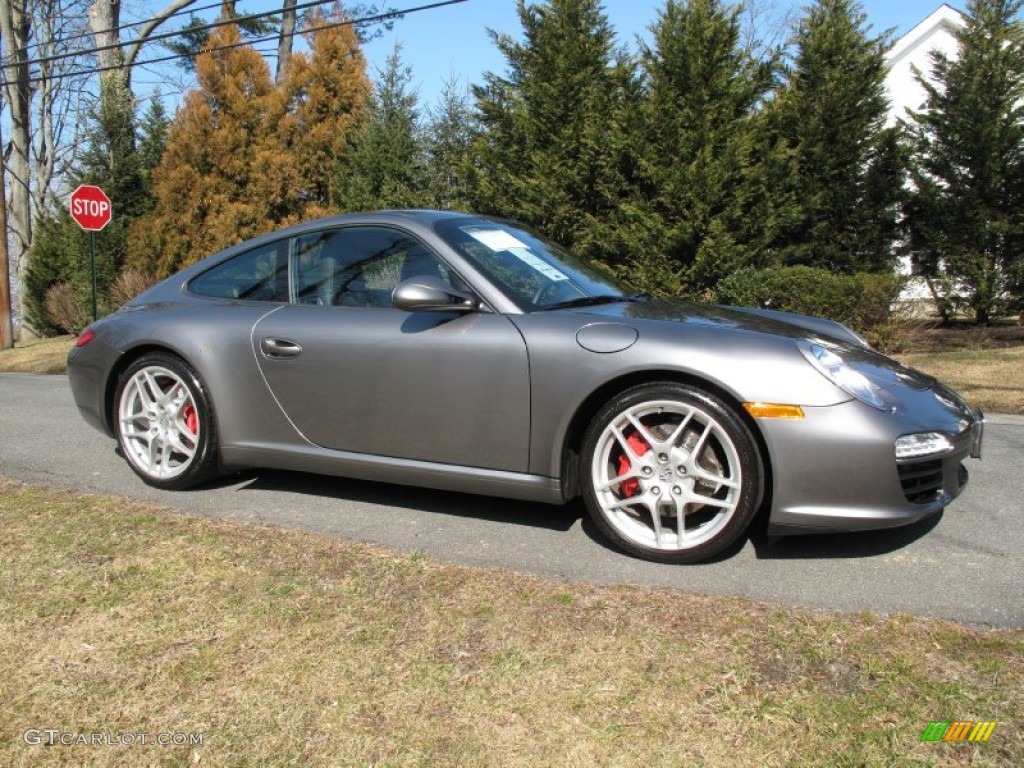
289,648
37,356
992,379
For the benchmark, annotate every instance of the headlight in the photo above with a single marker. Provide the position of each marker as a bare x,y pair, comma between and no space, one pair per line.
832,366
923,444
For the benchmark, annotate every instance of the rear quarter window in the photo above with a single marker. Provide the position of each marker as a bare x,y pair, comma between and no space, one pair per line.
260,274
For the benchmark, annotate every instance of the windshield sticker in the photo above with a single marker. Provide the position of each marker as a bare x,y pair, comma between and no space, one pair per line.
540,265
500,240
495,239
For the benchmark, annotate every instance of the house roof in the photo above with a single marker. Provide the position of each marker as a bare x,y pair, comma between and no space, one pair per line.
945,20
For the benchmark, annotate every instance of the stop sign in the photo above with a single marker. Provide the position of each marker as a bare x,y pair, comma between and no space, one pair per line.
90,207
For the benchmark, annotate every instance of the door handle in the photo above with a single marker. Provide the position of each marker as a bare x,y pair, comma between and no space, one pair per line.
278,349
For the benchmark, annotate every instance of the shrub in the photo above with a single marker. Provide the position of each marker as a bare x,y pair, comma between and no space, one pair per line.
862,301
128,284
63,309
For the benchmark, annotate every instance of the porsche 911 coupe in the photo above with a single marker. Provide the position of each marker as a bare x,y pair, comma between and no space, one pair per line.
466,353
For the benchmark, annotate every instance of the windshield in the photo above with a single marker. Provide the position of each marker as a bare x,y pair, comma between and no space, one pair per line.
532,272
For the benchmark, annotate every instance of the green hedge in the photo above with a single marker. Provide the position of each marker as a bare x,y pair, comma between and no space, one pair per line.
862,301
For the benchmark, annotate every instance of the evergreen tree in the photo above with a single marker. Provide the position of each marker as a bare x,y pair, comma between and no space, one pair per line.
324,106
220,179
60,253
153,138
546,146
966,215
450,170
621,230
244,155
705,151
385,166
112,161
848,167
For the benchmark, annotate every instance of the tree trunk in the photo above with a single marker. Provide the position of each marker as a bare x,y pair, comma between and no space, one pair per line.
16,29
6,325
115,60
104,18
285,41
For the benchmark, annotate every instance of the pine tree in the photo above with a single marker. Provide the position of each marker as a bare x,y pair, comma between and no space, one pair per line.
111,160
704,149
385,166
450,171
966,215
219,180
245,155
153,138
325,104
60,253
545,145
848,166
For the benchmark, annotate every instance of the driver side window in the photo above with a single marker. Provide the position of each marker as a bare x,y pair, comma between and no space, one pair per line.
358,266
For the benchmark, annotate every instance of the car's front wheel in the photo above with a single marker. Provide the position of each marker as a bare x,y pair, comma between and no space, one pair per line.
164,424
672,474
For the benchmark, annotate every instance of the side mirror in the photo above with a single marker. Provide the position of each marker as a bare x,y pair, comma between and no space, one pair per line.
428,293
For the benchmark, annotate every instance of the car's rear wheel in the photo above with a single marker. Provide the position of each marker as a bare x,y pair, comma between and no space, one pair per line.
672,473
164,424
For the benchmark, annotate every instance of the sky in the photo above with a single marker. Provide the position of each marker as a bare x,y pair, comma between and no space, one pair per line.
452,41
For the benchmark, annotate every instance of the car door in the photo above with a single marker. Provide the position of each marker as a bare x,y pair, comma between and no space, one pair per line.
353,373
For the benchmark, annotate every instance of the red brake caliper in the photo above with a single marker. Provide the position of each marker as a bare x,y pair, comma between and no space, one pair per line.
639,446
191,419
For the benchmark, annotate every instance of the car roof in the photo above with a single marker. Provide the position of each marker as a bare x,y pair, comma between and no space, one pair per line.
420,216
422,220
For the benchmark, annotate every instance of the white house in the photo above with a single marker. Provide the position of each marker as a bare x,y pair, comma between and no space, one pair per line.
910,55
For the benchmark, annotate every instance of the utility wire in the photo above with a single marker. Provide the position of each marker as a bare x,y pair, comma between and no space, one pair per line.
246,43
211,25
129,25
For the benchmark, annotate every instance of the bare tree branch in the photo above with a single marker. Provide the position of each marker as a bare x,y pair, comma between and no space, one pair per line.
148,29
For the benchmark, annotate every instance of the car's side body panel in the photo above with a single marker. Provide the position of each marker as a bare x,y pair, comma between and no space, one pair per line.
564,374
444,387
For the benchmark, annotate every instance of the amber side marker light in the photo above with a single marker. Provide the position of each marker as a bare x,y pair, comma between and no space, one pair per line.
774,411
85,337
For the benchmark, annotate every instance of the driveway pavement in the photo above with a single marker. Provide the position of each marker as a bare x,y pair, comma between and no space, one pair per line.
967,564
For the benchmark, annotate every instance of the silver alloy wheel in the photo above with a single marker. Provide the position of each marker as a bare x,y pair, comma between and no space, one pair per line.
159,422
666,475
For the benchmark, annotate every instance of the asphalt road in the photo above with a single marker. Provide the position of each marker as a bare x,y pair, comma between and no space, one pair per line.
966,565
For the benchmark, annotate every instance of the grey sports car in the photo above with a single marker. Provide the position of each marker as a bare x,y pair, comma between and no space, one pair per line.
466,353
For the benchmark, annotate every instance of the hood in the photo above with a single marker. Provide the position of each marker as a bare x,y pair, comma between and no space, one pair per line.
739,318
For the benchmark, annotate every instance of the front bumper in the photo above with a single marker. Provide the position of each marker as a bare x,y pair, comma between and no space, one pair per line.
836,469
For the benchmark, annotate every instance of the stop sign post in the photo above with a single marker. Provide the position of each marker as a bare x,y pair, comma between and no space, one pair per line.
90,208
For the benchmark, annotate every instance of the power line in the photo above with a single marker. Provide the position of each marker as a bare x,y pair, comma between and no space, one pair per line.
167,35
248,43
129,25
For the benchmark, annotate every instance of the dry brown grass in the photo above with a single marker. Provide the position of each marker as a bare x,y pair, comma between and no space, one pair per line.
37,356
991,379
288,648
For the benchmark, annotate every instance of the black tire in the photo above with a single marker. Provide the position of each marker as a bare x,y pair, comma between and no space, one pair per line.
171,443
680,453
